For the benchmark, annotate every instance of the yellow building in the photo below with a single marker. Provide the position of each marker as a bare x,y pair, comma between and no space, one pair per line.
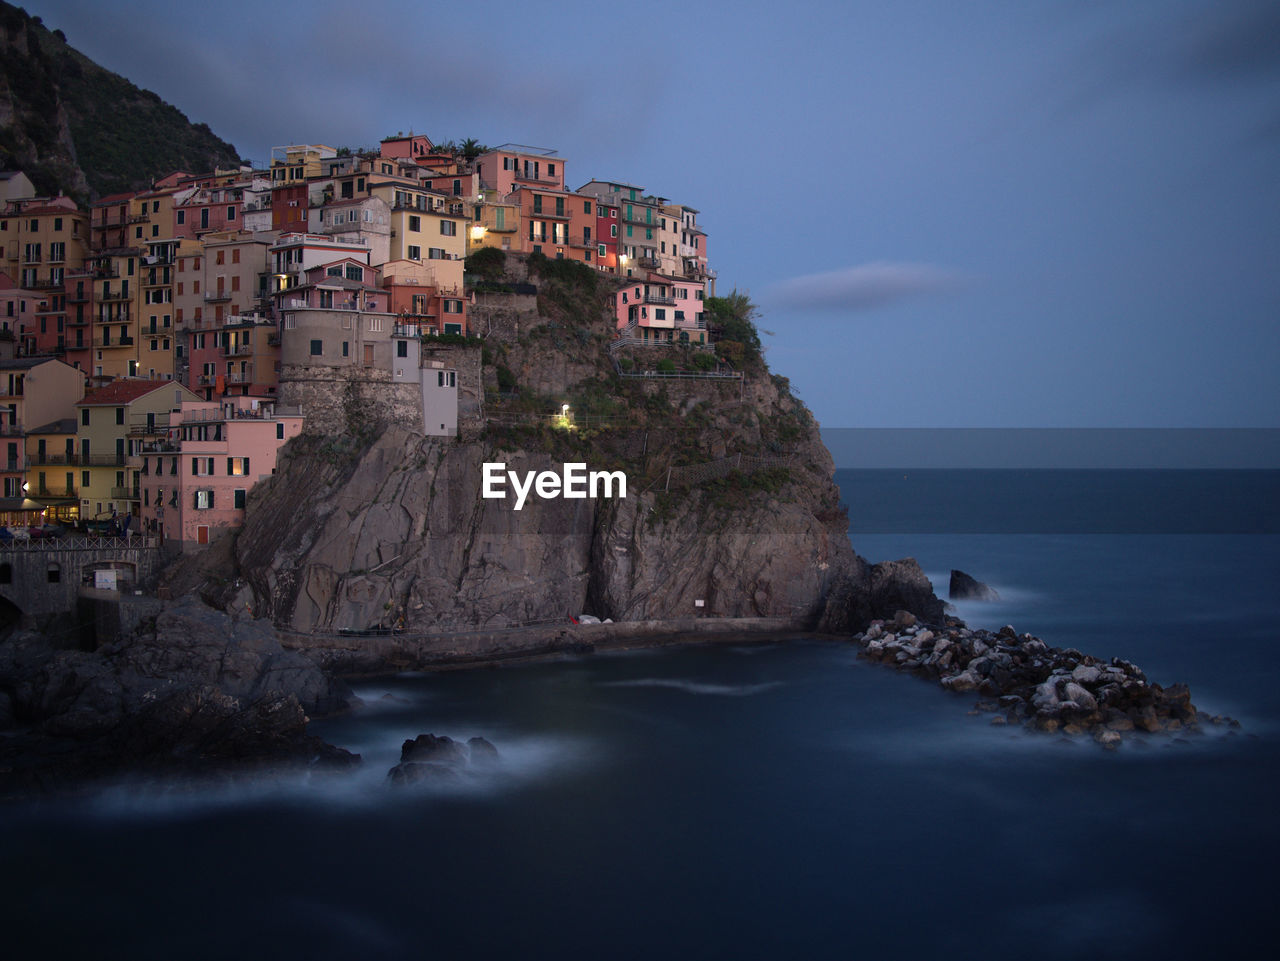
298,163
427,227
113,424
40,240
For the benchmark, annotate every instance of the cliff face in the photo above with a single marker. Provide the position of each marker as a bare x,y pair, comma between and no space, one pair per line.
730,499
76,128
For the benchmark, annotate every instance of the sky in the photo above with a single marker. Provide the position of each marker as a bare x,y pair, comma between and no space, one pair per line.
1041,213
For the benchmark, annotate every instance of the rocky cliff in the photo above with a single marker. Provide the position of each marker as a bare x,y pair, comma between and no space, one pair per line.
730,511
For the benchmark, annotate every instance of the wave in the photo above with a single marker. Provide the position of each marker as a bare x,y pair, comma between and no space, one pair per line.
697,687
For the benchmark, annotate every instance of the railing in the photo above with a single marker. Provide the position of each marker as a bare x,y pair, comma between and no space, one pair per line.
549,214
681,374
122,342
78,297
11,430
53,460
660,299
53,492
649,263
240,377
113,296
80,542
149,425
126,493
239,350
217,295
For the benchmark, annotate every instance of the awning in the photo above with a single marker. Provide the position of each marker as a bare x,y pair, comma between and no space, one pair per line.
21,504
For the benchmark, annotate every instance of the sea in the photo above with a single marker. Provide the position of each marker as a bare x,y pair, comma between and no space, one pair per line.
767,800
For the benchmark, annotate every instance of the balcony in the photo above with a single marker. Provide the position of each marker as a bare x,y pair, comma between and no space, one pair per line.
241,376
11,430
217,296
45,285
114,296
239,350
662,300
54,460
548,215
273,340
126,493
108,344
48,492
102,460
78,297
528,178
145,425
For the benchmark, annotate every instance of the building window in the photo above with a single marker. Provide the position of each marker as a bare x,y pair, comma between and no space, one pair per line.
317,348
415,223
239,498
436,253
402,348
182,219
84,417
237,466
415,253
119,415
448,228
54,573
346,348
202,467
231,213
203,500
355,272
280,431
452,306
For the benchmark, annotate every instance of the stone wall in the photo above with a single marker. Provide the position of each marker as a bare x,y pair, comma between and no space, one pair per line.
32,592
329,397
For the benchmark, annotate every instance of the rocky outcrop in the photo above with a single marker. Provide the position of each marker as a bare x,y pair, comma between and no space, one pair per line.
965,588
428,758
1024,680
197,691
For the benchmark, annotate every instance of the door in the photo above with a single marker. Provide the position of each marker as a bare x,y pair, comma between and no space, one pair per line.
368,355
202,534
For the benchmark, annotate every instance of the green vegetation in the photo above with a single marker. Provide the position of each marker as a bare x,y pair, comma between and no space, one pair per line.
488,264
122,137
733,316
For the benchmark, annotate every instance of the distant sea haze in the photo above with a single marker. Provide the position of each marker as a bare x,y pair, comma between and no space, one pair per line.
1095,448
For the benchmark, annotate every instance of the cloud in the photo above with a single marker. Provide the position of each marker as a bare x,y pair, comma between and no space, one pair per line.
866,286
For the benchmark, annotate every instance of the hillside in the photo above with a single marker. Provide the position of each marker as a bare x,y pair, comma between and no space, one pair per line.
730,510
77,128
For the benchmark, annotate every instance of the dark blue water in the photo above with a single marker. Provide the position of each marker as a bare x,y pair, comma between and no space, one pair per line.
772,801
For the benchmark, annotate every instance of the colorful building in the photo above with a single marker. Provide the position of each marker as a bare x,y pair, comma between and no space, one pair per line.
195,481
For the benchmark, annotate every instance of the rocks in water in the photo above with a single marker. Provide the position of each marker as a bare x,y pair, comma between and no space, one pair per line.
196,692
1024,680
966,588
429,758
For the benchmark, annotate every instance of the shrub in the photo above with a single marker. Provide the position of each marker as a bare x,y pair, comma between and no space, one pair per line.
703,361
667,365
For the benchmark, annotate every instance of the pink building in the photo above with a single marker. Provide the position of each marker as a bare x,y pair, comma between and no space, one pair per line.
662,309
195,484
512,164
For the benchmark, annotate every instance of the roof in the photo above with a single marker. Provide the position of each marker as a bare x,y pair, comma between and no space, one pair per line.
124,391
66,425
114,199
48,209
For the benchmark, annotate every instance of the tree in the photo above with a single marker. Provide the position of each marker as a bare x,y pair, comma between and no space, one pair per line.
733,316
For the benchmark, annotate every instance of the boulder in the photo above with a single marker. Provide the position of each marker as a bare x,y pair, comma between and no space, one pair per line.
965,588
438,750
